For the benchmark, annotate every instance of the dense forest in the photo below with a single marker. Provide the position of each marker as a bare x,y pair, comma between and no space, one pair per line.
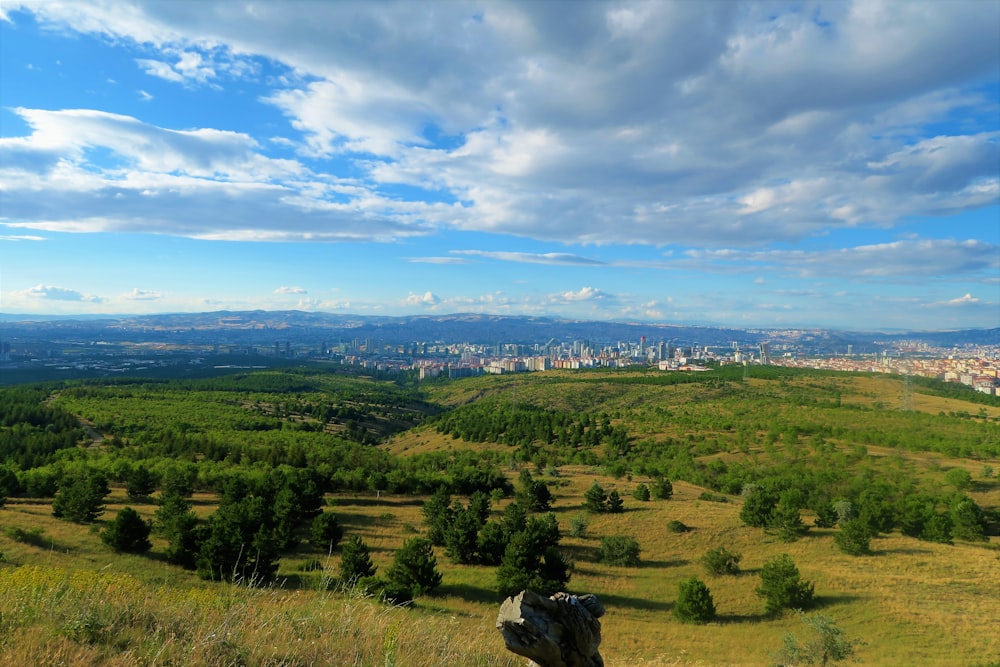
239,471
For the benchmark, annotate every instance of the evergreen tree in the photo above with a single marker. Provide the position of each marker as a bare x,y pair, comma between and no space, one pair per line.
238,545
854,538
968,522
662,489
355,560
140,482
127,533
615,503
787,521
437,515
641,493
462,537
180,526
694,602
758,507
595,499
619,550
782,587
80,497
414,567
532,560
721,560
325,532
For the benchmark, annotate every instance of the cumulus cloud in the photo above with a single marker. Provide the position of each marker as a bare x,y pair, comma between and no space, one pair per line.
53,293
583,294
425,299
616,123
290,290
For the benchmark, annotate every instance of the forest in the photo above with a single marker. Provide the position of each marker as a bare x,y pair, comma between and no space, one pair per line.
451,494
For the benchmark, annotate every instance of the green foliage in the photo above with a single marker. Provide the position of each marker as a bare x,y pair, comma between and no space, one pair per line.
80,497
355,560
662,489
854,538
180,526
127,533
532,559
720,561
694,602
578,525
826,645
758,508
782,587
959,478
642,493
239,544
437,515
414,567
140,482
787,521
675,526
32,536
826,514
595,498
325,532
533,494
619,550
967,520
615,503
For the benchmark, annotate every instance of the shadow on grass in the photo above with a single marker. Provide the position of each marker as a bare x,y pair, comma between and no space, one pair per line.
469,593
610,600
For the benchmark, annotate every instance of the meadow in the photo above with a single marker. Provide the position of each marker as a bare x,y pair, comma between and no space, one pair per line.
65,598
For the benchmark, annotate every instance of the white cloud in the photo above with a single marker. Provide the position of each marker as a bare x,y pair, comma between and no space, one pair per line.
290,290
425,299
142,295
556,258
50,292
144,96
583,294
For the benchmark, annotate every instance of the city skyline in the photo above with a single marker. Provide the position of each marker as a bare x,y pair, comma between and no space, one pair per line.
738,164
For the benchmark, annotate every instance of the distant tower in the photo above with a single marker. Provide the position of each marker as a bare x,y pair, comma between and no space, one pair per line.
765,353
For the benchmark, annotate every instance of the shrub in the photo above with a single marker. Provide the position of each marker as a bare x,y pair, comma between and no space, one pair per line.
615,503
781,586
713,497
414,567
325,532
958,478
355,560
662,489
80,497
827,645
694,602
758,508
620,550
578,525
595,499
641,493
127,533
675,526
721,561
854,538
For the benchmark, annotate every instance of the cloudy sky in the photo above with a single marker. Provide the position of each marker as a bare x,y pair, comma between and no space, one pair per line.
773,164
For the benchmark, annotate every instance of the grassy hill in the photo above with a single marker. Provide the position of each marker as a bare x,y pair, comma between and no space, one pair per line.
66,598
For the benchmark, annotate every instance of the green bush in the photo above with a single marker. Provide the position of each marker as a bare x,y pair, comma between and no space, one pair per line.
675,526
782,587
355,560
620,550
127,533
641,493
694,602
854,538
325,532
414,568
721,561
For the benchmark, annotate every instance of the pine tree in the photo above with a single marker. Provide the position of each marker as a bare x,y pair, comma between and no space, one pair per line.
414,567
80,497
325,532
355,560
782,587
128,533
595,499
615,503
694,602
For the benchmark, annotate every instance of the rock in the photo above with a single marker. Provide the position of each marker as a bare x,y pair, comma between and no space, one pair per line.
560,631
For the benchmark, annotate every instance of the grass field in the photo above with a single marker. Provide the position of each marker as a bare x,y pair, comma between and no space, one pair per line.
66,599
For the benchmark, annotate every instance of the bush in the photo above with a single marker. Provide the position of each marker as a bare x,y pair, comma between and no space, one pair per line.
578,525
758,508
694,602
620,550
662,489
615,503
355,561
127,533
854,538
675,526
641,493
325,533
595,499
414,567
721,561
80,497
781,586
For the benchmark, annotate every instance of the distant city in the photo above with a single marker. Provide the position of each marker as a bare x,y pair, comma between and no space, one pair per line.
462,345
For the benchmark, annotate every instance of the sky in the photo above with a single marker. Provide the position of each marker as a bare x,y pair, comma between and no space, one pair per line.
755,165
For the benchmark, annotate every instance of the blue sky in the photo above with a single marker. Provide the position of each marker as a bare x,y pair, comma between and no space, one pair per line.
751,165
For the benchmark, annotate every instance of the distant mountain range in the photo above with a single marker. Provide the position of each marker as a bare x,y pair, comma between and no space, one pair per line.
265,327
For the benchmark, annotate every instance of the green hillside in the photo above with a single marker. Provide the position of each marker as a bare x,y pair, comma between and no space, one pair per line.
231,473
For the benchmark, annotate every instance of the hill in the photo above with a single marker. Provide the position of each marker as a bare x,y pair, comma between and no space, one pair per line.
377,451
